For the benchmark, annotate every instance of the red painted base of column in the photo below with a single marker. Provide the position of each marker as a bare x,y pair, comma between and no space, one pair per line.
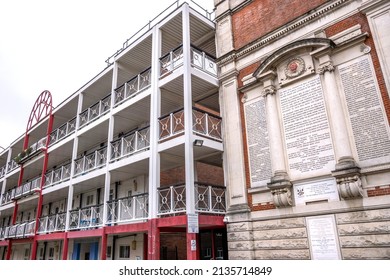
153,240
65,247
192,246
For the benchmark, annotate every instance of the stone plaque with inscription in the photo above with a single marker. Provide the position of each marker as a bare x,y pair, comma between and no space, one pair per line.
323,239
319,190
366,114
258,145
306,129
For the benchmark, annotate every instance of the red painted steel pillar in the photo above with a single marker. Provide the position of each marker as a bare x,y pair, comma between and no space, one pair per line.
153,240
103,254
192,246
65,247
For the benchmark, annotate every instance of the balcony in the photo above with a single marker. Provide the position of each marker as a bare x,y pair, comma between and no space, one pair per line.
130,143
22,230
203,61
87,217
11,165
208,199
171,61
95,111
203,123
52,223
30,152
199,59
90,161
127,209
58,175
26,189
132,87
3,232
63,131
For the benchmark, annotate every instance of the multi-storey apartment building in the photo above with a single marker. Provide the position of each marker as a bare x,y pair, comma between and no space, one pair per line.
130,165
305,98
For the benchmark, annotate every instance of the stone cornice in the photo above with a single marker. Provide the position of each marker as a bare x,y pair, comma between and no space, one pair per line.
287,28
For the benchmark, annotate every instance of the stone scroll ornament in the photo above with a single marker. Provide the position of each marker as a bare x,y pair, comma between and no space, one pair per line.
350,187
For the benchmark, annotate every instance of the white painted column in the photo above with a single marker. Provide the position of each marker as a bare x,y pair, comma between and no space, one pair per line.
74,156
154,160
336,114
280,184
234,167
187,94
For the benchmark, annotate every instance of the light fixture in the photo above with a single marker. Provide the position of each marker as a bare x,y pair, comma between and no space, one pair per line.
198,143
134,244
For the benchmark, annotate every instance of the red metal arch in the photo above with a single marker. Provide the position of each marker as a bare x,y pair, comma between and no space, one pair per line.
43,107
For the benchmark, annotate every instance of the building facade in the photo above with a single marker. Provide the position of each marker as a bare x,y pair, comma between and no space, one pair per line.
130,165
304,90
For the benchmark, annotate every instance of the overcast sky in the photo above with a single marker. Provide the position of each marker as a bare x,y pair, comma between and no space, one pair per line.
59,46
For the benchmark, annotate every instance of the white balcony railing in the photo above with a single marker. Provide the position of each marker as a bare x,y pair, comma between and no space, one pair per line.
203,123
25,189
88,217
52,223
203,61
63,131
132,87
58,175
95,111
171,61
128,209
208,199
130,143
90,161
3,171
21,230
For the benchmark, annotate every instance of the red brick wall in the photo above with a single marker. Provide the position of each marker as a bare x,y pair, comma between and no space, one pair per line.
379,191
263,16
206,174
361,19
173,241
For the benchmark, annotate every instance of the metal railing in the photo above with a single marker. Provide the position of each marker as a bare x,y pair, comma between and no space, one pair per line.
130,143
171,125
11,165
126,209
90,161
155,20
58,175
63,131
208,199
172,200
132,87
203,123
3,170
206,124
52,223
87,217
203,61
3,232
21,230
95,111
23,190
171,60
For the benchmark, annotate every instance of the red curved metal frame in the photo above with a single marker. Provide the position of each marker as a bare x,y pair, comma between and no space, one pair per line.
43,107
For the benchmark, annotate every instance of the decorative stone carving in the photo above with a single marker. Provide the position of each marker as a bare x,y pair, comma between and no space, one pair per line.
282,197
269,90
350,187
347,176
280,187
328,66
294,67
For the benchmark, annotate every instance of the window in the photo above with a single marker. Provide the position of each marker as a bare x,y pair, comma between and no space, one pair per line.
51,253
124,252
90,199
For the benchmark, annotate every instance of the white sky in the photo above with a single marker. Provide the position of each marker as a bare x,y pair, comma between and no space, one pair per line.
59,46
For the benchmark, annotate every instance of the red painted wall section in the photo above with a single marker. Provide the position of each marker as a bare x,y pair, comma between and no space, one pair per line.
263,16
